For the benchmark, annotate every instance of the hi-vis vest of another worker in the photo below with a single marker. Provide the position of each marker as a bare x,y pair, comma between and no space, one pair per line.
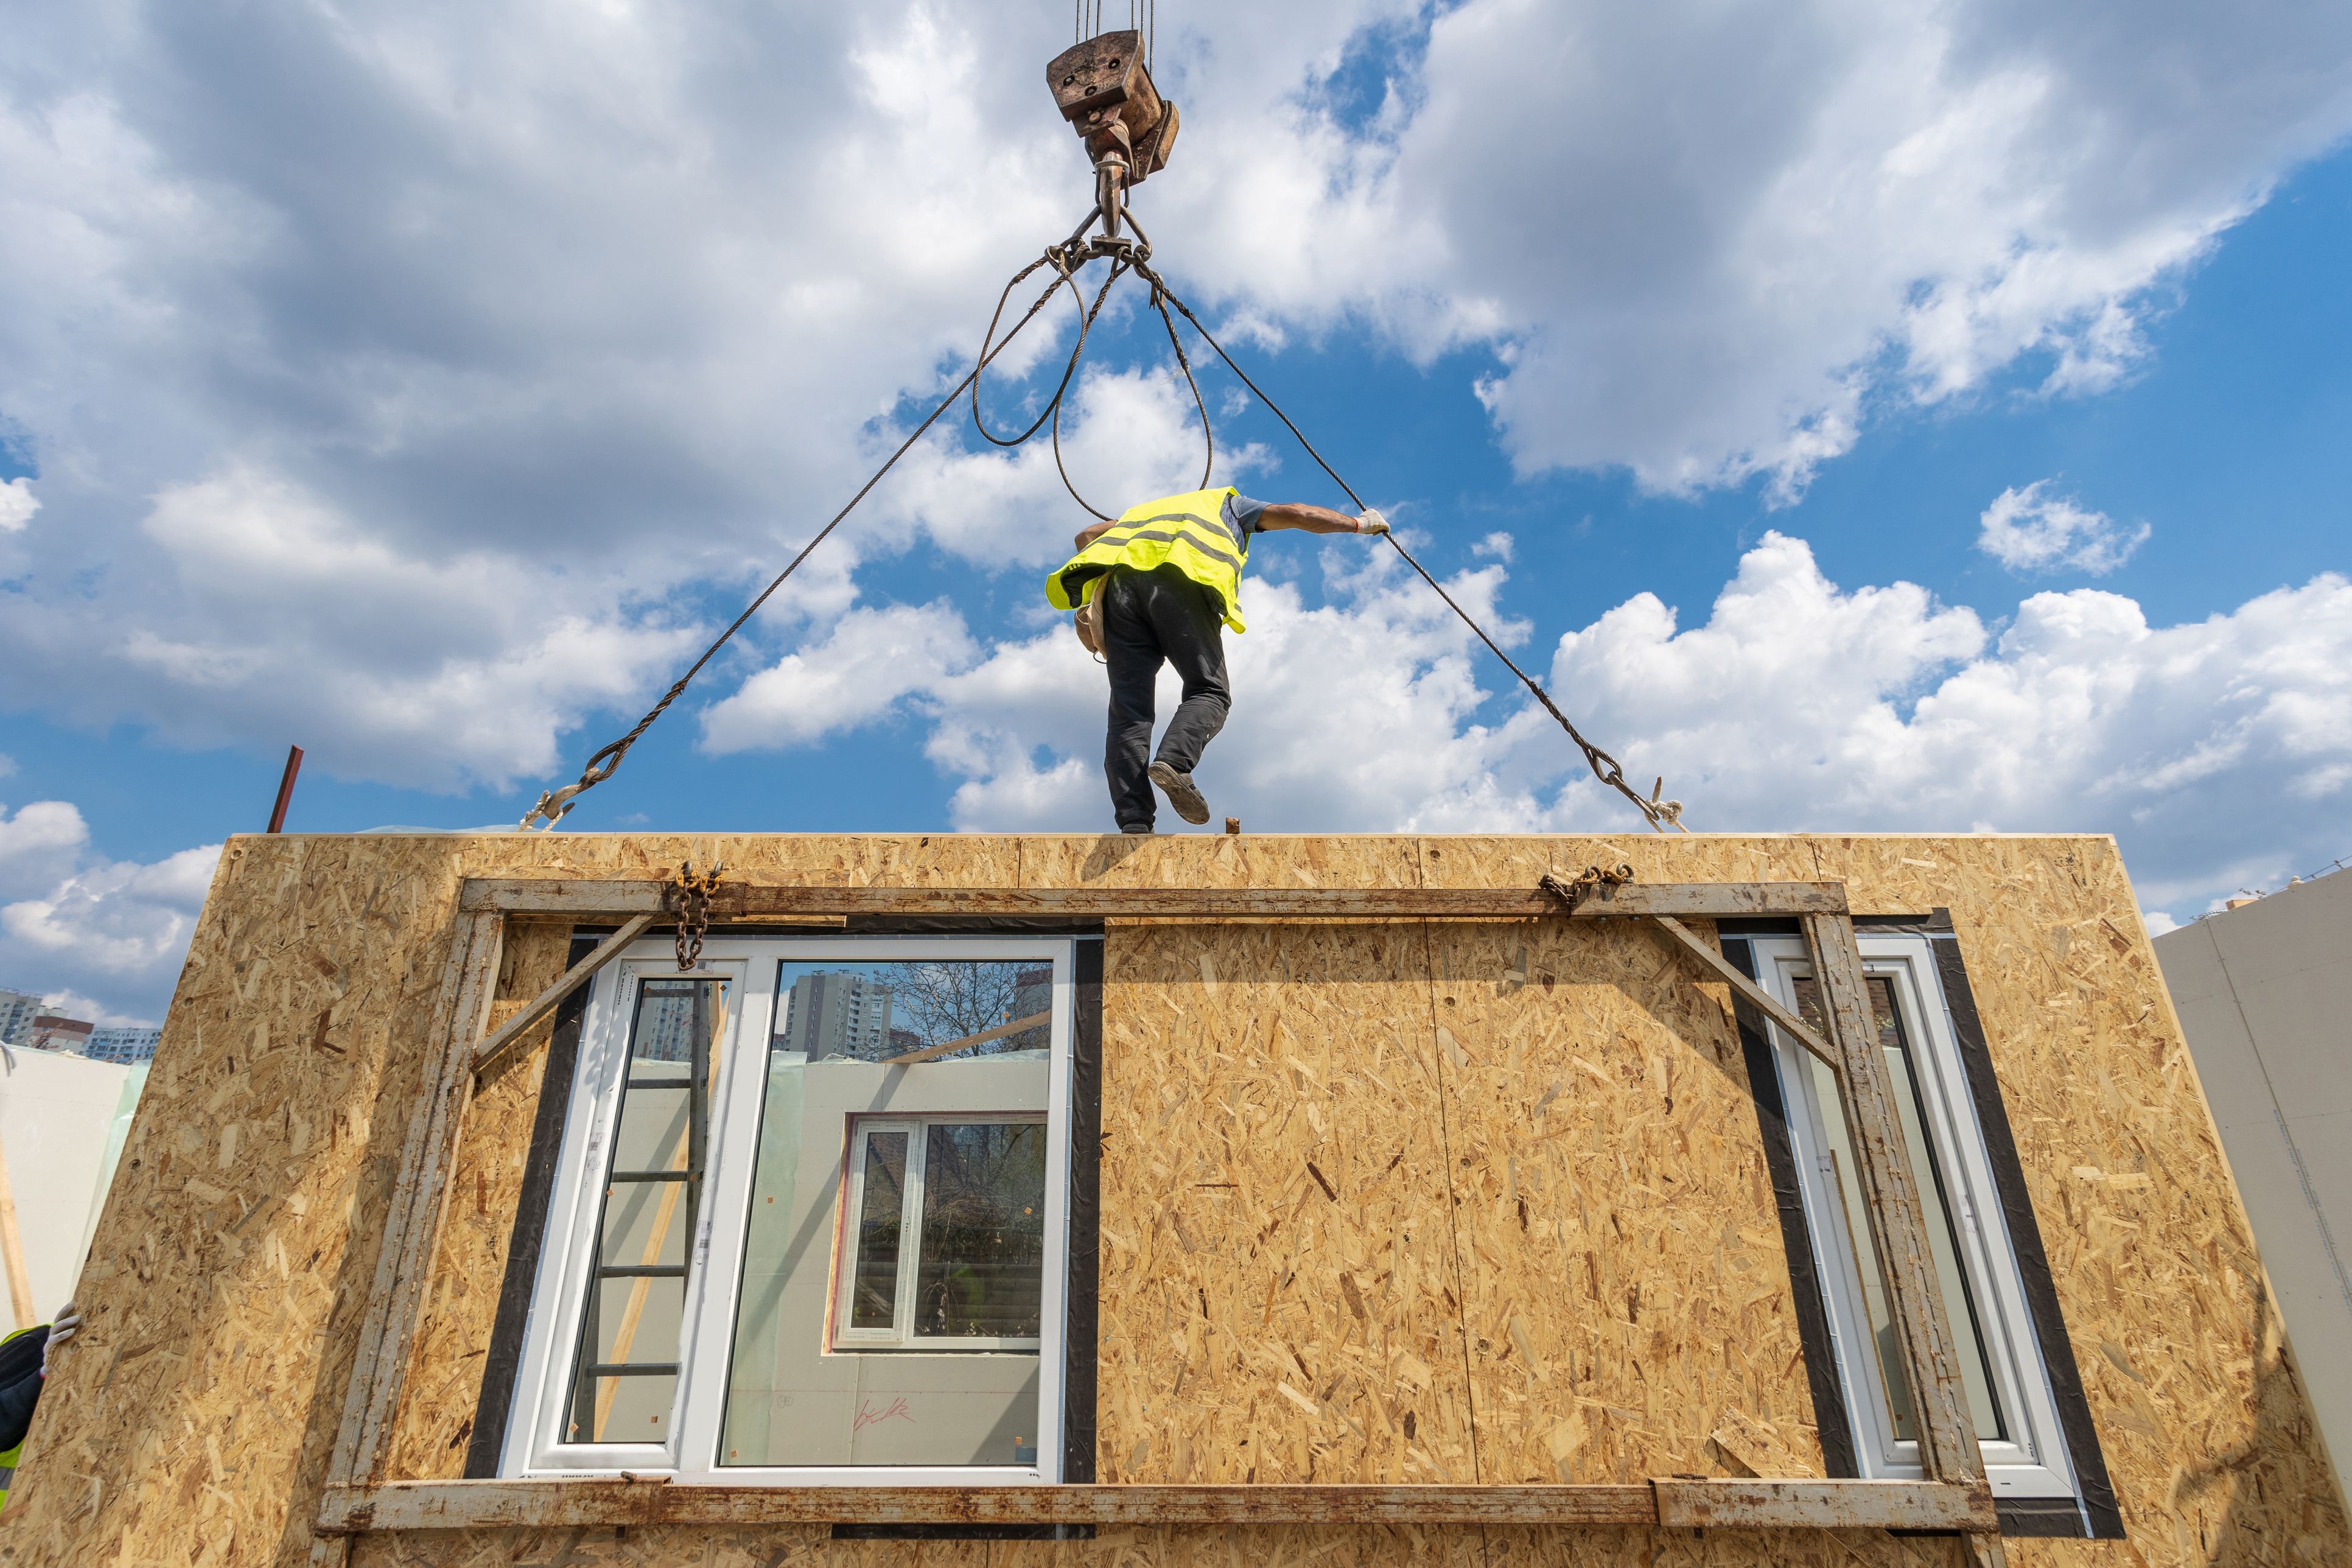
15,1366
1195,531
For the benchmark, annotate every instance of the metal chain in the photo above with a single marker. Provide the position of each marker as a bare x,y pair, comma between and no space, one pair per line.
687,895
1594,881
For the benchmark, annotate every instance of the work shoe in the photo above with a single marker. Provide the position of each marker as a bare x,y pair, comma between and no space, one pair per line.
1181,793
1146,830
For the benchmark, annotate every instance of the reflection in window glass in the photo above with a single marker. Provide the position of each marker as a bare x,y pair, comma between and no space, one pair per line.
1943,1233
625,1372
984,1231
878,1012
894,1262
873,1287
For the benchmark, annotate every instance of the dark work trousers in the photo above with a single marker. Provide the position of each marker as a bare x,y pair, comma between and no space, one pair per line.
1150,618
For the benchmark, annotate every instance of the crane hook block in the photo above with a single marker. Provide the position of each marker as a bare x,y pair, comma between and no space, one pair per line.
1104,89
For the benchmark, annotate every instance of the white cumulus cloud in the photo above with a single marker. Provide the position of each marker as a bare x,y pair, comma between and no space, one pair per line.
18,505
105,938
2219,752
2030,530
519,327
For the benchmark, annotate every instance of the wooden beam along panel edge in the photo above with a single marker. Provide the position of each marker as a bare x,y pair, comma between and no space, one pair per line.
743,901
1825,1505
543,1504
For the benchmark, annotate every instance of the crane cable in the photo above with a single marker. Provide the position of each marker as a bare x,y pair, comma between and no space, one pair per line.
1660,813
555,805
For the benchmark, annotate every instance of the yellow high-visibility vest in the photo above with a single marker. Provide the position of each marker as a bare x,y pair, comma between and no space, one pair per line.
1196,531
8,1459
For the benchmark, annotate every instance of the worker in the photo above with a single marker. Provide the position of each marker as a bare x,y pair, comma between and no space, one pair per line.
1152,587
25,1358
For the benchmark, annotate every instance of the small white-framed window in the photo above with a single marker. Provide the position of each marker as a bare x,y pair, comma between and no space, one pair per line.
944,1248
810,1218
2007,1388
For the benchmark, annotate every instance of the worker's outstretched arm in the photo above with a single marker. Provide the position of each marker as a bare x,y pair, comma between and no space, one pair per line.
1319,520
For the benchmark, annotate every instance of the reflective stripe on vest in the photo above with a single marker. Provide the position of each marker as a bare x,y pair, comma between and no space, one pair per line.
1195,531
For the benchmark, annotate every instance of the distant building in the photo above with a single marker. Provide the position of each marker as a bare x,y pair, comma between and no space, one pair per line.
1032,992
905,1040
837,1016
53,1033
672,1014
123,1046
18,1011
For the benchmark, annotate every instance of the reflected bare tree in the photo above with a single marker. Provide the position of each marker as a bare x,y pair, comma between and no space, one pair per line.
949,999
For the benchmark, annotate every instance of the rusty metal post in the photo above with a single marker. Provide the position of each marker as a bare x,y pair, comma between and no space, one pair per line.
285,789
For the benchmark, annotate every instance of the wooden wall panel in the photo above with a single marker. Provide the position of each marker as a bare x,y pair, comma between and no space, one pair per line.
1280,1295
1629,1294
191,1421
195,1412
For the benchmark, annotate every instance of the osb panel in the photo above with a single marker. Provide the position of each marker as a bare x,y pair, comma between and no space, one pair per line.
1629,1291
1280,1299
221,1298
191,1420
1220,860
2206,1426
228,1274
2207,1431
437,1405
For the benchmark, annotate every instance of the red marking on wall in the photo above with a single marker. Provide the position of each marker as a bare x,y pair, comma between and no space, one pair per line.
869,1416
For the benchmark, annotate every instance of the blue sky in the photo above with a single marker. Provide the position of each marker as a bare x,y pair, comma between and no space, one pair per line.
433,427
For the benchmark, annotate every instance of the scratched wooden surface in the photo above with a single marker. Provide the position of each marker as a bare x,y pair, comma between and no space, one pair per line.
191,1422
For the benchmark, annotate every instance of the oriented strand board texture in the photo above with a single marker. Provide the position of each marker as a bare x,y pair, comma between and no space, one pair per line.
192,1421
1629,1291
1281,1287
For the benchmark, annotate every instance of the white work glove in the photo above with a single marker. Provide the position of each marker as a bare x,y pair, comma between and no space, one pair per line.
1372,522
61,1328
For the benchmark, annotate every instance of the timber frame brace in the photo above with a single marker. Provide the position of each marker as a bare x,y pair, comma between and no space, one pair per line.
1953,1496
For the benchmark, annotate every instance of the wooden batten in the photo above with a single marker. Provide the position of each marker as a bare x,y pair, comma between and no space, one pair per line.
1434,1225
753,901
1676,1502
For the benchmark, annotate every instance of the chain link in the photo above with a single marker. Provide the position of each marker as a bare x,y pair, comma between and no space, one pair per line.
1603,881
687,895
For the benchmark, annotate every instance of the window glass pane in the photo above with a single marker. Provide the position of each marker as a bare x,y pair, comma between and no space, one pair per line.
801,1390
1943,1233
982,1269
874,1012
624,1377
873,1287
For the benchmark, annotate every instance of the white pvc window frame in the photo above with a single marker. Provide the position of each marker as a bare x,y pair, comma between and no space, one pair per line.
900,1335
2034,1461
534,1447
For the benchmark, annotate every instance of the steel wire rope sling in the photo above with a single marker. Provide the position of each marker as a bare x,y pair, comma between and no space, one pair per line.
1114,175
1659,814
555,805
